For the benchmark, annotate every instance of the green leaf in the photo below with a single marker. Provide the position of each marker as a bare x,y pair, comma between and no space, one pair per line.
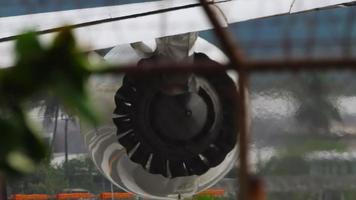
64,39
59,69
28,48
20,162
77,102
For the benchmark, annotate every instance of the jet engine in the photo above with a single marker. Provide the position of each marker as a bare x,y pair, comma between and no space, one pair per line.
165,136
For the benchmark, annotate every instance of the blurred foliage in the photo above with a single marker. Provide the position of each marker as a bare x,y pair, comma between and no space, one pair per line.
45,179
208,197
293,155
51,179
294,196
285,165
300,146
329,194
59,71
349,195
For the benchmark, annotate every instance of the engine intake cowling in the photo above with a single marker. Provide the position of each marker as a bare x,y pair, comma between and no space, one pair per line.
174,133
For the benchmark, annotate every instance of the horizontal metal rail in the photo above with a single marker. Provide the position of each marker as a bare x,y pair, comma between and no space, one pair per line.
249,66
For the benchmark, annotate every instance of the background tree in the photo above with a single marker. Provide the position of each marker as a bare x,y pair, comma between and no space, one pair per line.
51,179
316,110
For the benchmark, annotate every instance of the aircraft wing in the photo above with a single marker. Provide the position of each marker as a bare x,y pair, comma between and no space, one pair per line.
107,26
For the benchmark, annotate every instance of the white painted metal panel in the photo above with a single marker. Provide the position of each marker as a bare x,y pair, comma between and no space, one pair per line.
151,25
41,21
242,10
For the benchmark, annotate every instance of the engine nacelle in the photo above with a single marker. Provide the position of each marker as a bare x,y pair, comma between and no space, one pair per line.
163,143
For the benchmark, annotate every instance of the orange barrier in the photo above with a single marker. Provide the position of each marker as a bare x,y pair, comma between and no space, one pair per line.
62,196
212,192
116,195
30,197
